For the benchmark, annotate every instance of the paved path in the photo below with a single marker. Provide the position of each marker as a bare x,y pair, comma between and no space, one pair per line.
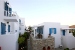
62,49
59,49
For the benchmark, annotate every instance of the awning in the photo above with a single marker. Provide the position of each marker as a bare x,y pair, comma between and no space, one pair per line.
67,28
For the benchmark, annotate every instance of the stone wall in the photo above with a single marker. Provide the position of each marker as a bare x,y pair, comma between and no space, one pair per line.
38,44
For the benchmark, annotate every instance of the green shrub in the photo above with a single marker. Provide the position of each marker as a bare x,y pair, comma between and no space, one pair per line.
66,49
21,40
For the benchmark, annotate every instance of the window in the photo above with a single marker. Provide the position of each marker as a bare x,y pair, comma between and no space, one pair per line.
52,30
15,30
19,21
8,28
3,28
63,31
10,12
40,30
19,28
6,8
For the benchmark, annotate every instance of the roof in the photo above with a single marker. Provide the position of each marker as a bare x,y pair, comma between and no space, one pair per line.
67,28
73,26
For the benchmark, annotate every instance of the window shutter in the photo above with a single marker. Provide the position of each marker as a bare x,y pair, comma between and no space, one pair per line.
19,21
3,28
63,32
8,28
41,30
54,30
10,12
10,9
50,31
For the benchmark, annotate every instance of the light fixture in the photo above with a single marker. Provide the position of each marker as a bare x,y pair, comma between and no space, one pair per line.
7,22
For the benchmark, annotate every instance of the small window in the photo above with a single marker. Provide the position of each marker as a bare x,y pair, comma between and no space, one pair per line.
63,31
8,28
19,28
52,30
15,30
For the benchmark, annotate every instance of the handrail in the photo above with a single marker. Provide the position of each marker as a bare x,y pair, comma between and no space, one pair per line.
10,13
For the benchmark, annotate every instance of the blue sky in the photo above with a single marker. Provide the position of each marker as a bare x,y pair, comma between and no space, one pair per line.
38,11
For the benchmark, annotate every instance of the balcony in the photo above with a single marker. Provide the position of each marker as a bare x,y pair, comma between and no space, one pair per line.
10,16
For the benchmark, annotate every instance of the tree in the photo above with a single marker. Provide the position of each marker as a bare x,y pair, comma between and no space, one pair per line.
29,29
22,40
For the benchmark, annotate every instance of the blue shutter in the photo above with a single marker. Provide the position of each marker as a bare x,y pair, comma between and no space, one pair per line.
3,28
63,31
41,31
19,21
50,31
6,8
8,28
10,11
54,30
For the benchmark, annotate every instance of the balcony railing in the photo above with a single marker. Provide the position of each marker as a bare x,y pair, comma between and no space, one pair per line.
10,13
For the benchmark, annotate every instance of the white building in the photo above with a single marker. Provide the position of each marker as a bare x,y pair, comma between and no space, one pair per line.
9,27
22,25
60,32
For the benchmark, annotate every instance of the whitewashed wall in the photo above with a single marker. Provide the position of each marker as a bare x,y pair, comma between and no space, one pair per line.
69,41
9,42
66,31
22,25
57,36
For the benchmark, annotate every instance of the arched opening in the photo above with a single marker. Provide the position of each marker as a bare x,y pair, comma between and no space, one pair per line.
44,48
48,48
